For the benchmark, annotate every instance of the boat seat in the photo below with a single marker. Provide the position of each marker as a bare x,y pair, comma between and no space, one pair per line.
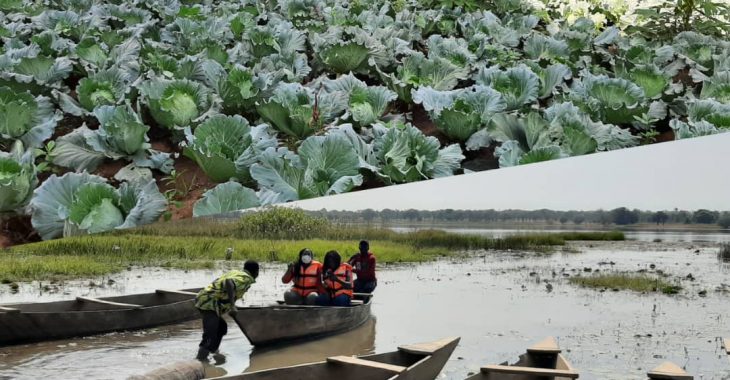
5,309
365,363
110,303
669,371
551,373
356,302
182,292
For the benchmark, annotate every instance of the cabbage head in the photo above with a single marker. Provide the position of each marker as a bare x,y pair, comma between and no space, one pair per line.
176,103
80,203
30,119
17,178
226,146
405,154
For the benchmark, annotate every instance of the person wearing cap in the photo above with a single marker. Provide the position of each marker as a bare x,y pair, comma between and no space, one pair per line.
217,299
363,265
305,274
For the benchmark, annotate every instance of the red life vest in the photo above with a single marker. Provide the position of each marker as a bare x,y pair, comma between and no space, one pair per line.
342,273
308,279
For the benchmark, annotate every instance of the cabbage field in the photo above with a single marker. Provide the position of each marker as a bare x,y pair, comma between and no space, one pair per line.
119,113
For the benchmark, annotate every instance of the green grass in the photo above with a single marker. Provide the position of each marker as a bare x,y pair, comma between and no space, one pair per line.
27,268
98,255
276,235
627,281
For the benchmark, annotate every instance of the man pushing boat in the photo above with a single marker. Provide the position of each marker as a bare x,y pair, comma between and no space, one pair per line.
219,298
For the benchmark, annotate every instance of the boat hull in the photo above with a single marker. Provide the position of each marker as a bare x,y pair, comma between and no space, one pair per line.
418,362
277,324
68,319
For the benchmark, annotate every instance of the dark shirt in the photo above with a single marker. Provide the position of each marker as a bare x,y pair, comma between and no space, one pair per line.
363,266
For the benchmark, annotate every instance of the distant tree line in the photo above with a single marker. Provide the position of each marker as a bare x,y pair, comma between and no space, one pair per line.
621,216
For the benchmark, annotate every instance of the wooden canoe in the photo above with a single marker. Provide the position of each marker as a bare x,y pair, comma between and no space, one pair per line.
267,325
542,361
668,371
33,322
412,362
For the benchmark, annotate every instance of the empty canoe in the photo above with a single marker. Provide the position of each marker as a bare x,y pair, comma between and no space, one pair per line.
412,362
541,362
32,322
265,325
668,371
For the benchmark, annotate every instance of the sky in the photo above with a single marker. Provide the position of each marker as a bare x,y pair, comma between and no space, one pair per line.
686,174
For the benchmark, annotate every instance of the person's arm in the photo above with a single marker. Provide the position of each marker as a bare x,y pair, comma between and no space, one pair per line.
231,290
322,277
289,275
346,284
353,262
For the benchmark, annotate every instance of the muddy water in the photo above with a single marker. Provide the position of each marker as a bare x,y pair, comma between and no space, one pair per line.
499,303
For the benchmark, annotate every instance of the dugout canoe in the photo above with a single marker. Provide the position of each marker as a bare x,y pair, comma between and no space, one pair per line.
33,322
542,361
668,371
411,362
268,325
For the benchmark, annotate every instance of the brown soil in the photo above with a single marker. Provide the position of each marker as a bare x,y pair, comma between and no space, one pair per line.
16,230
684,77
665,136
109,168
190,185
424,123
480,160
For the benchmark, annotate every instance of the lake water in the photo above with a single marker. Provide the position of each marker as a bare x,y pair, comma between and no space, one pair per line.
669,236
498,302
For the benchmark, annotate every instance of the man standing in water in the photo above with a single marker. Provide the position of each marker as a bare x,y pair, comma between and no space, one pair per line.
217,299
363,265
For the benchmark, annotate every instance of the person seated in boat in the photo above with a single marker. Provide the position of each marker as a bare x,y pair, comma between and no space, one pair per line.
217,299
363,265
305,274
336,281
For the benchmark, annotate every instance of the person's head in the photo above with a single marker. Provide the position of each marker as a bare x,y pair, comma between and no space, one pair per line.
364,246
332,260
252,267
306,256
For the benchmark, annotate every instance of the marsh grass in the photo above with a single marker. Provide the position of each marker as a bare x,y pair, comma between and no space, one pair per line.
627,281
724,253
275,235
95,255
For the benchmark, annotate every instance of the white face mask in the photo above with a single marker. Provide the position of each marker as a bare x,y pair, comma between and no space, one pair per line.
306,259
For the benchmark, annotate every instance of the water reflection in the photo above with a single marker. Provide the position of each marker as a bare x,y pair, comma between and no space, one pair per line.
359,341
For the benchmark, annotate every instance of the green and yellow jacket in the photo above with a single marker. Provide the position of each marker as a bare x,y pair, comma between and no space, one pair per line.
214,297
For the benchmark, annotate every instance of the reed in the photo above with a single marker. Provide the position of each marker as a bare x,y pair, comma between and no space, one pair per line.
626,281
724,253
275,235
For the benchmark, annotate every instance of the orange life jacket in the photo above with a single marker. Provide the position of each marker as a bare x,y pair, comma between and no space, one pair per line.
307,280
335,288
